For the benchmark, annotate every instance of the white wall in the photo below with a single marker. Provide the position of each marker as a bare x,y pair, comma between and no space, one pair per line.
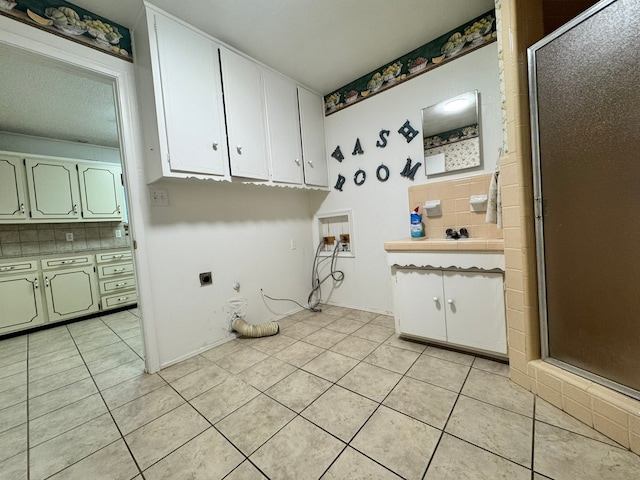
381,210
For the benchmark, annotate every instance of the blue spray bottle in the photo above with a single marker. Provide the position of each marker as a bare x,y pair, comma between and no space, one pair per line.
417,227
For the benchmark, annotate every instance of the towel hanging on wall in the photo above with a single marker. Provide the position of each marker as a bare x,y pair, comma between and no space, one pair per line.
494,202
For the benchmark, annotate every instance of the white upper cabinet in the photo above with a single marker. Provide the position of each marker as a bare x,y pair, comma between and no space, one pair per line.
313,141
12,192
100,191
285,148
53,189
246,126
193,138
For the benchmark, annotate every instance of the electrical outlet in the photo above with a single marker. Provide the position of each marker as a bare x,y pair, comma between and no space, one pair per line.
345,238
159,197
118,233
69,237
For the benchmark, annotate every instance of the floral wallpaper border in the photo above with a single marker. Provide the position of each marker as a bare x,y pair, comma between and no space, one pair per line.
474,34
66,20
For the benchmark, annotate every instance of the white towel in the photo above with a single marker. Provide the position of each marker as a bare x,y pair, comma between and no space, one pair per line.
494,202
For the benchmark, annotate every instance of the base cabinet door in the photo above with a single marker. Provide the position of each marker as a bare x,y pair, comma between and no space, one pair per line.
420,303
71,293
21,302
475,310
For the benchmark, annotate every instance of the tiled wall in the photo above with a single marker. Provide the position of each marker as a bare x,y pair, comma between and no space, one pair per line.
454,196
47,238
609,412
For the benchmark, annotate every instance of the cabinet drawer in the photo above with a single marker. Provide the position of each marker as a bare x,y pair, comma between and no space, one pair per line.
18,266
113,301
108,287
119,269
113,256
81,260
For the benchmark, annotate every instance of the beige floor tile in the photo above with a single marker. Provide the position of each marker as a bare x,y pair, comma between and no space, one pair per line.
375,333
145,409
334,310
13,381
340,412
13,441
355,347
221,351
47,347
392,358
223,399
102,352
70,447
422,401
131,389
15,468
563,455
361,315
298,390
87,327
113,462
59,421
293,443
13,369
54,368
241,360
547,413
273,344
266,373
112,361
450,355
299,353
207,456
345,325
441,373
165,434
500,431
352,465
300,330
108,338
6,360
246,471
97,331
383,438
324,338
371,381
254,423
119,374
13,346
384,321
62,379
174,372
52,357
499,391
13,416
458,459
125,334
200,381
330,365
12,396
319,319
498,368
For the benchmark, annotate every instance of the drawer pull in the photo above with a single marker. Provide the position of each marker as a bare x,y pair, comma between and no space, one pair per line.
120,285
121,269
122,299
117,256
6,269
65,262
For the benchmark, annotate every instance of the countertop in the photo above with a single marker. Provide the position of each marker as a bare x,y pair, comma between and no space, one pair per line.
494,245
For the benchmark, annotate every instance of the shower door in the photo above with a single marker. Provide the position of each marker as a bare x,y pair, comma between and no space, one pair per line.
585,101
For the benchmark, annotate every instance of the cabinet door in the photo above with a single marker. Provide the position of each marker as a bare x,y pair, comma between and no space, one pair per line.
475,310
421,303
192,99
313,142
21,302
71,293
285,149
100,191
12,195
53,189
243,97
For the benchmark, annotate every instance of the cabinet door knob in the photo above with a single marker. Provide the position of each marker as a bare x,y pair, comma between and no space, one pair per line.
310,163
22,208
214,145
239,149
75,209
297,161
450,301
435,299
119,211
35,283
46,282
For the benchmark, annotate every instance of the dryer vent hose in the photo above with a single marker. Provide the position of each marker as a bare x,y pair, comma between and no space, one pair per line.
261,330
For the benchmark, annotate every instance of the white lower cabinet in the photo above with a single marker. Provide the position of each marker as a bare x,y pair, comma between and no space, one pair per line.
464,308
20,296
71,290
116,279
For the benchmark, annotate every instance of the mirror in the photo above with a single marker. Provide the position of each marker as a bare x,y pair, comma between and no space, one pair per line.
451,134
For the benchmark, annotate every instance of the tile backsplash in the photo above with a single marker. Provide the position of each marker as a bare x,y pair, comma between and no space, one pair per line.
50,238
454,196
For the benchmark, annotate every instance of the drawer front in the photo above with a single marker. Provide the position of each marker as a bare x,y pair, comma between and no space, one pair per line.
119,269
108,287
113,256
76,261
113,301
18,267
